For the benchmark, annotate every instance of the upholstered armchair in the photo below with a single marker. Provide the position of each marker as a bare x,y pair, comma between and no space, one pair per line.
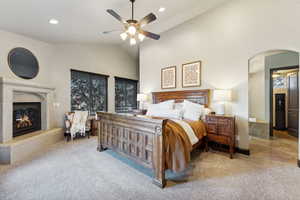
77,124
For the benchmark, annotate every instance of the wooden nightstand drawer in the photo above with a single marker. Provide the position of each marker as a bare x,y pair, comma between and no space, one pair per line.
226,130
212,128
218,138
224,121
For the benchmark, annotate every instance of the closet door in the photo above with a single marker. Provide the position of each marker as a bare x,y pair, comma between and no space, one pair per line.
293,104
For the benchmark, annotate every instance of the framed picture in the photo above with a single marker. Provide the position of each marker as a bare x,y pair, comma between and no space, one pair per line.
168,77
191,74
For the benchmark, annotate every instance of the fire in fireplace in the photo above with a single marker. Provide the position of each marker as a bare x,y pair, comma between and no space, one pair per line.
26,118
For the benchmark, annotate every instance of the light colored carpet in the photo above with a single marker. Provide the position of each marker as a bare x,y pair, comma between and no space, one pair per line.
71,171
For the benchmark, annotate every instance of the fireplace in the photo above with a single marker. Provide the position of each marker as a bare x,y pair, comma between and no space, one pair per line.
26,118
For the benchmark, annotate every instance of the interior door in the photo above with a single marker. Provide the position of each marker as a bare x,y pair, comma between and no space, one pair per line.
293,104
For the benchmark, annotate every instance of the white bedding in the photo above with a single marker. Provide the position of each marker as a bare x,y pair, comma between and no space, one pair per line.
189,131
178,111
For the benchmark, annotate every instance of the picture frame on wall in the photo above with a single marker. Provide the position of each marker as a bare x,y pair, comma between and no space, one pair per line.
191,74
168,77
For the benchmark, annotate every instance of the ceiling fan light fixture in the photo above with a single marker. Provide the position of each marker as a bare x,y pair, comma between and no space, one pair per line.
131,30
141,37
124,36
162,9
53,21
132,41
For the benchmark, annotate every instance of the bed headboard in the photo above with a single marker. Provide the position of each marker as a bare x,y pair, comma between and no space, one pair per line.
196,96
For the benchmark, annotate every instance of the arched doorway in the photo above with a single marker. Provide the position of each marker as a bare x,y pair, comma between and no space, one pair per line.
274,104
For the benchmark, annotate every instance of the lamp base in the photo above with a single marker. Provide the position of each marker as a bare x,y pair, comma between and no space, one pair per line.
220,109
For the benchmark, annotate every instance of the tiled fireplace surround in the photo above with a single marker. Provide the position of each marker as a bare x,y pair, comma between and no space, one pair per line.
16,149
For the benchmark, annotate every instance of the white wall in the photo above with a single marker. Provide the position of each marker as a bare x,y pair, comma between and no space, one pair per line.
257,96
57,60
42,50
224,39
106,59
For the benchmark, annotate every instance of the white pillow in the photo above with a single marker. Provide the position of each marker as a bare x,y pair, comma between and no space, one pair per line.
178,106
166,105
165,113
192,111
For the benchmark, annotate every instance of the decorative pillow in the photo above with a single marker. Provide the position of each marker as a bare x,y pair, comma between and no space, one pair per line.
165,113
166,105
192,111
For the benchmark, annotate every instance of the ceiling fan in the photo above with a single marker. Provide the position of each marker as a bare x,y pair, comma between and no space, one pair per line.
133,28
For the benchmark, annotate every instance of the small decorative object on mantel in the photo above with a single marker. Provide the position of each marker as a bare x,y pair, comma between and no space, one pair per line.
191,74
168,78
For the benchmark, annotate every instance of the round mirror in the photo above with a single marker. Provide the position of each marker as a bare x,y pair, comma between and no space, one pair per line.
23,63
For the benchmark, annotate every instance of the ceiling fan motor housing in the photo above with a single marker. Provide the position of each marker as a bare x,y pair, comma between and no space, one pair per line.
132,21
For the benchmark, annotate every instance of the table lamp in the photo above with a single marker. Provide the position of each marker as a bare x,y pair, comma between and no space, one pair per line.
221,96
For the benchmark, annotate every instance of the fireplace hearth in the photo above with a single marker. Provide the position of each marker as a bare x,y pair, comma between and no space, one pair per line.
26,118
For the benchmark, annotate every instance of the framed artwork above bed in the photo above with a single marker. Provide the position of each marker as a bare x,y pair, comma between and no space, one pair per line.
191,74
168,78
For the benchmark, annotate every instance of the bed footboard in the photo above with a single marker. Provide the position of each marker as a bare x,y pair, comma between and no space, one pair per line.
136,137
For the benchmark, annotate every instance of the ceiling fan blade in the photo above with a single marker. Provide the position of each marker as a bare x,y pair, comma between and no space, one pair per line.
150,35
112,31
148,19
116,15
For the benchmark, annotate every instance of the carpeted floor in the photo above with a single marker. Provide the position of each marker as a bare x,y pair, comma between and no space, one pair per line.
71,171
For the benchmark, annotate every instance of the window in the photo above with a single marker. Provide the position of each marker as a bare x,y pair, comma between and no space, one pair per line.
125,95
88,91
279,82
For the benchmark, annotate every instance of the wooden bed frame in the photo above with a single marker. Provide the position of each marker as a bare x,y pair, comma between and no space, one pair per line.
140,138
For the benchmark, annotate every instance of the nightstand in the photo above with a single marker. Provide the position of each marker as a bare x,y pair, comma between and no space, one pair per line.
221,129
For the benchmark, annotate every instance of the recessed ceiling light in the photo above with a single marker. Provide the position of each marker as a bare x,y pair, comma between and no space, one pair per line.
53,21
161,9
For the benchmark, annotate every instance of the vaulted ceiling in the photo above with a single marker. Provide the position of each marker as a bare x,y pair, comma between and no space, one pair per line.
83,21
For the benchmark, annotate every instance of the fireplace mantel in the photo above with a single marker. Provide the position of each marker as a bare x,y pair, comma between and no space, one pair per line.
9,87
25,84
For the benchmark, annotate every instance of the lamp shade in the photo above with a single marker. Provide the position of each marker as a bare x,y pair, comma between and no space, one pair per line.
222,95
141,97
